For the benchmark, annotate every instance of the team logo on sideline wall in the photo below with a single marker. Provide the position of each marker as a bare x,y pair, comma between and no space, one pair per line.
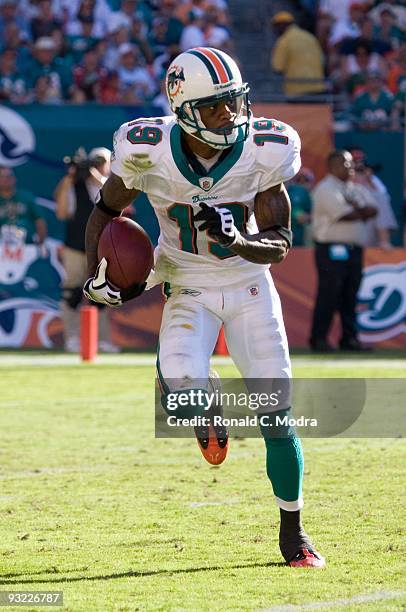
382,300
27,322
30,293
17,138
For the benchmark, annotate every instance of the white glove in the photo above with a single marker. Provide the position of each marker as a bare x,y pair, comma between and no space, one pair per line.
98,289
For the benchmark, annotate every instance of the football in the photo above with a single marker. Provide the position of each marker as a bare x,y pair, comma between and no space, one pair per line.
128,250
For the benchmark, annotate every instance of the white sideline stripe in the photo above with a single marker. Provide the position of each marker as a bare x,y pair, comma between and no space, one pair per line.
52,360
350,363
356,599
32,360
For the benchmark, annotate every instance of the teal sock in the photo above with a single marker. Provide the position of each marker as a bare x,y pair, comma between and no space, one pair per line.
284,466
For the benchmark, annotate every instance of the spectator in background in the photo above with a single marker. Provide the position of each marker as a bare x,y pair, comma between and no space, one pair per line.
297,55
14,39
193,35
372,109
397,72
349,45
215,35
86,15
127,12
167,10
110,92
398,109
61,46
387,29
63,31
339,11
13,87
88,76
110,58
136,82
139,38
100,48
162,62
123,18
69,11
45,92
19,213
27,9
82,42
158,37
44,63
355,67
299,190
44,23
9,15
349,26
339,215
397,7
343,31
191,9
75,195
378,228
324,27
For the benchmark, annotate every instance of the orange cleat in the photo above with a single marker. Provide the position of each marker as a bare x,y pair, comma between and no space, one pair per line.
307,558
213,443
213,440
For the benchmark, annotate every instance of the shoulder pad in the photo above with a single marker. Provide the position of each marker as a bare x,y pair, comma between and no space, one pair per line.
136,148
277,151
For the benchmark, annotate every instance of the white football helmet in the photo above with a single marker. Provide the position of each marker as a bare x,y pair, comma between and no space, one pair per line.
202,77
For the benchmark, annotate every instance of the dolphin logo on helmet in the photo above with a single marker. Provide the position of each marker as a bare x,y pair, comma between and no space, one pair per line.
204,76
174,81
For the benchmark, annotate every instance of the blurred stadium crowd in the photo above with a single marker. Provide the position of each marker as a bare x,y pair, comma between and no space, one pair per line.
363,47
117,51
106,51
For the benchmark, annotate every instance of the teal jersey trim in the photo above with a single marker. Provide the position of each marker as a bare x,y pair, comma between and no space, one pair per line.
216,173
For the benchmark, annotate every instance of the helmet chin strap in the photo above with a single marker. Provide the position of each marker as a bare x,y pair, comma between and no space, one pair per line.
213,145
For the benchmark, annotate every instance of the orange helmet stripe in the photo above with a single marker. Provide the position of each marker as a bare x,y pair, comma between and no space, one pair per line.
221,72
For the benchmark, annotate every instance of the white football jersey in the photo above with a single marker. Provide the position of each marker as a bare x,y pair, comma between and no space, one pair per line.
148,156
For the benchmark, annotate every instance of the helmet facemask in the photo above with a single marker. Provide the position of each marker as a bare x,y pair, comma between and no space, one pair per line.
219,138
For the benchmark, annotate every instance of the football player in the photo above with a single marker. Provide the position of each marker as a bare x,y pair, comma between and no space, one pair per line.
214,176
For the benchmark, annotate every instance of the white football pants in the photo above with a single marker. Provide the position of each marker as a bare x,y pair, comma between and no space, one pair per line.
253,326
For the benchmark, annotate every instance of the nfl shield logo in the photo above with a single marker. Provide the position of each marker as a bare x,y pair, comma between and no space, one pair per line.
253,291
206,183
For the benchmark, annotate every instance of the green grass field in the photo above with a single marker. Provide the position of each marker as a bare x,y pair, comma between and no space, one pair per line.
93,505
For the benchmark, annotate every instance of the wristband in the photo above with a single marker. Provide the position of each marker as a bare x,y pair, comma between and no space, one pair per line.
101,205
284,232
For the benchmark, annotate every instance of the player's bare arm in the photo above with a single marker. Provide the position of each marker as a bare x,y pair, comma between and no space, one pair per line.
271,208
115,197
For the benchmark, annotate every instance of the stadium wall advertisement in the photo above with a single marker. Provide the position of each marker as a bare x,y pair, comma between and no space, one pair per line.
34,140
29,310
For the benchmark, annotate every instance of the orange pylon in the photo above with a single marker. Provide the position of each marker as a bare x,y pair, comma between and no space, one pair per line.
221,345
89,316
